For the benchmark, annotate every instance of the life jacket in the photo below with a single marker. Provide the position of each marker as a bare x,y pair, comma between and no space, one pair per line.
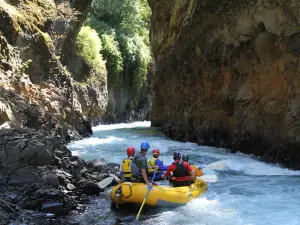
126,167
151,162
181,170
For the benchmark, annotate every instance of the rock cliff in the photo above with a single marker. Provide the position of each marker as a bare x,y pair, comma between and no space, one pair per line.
37,73
125,103
227,74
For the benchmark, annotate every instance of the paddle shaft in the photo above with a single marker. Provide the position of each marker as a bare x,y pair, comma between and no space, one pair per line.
138,215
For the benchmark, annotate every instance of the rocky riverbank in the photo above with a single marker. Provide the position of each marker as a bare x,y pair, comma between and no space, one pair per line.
39,174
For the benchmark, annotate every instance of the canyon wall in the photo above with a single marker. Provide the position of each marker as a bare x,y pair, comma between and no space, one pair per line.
228,75
126,103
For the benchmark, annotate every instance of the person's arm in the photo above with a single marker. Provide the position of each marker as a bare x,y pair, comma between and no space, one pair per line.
167,172
121,172
143,166
161,165
145,177
191,171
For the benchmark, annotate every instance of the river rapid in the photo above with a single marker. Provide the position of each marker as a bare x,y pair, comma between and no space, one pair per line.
248,192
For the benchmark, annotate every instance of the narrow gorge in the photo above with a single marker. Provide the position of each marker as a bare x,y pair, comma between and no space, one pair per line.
227,75
216,73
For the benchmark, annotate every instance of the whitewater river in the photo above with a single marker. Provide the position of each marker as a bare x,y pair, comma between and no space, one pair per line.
248,191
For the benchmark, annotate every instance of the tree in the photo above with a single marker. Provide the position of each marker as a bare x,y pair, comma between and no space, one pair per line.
123,26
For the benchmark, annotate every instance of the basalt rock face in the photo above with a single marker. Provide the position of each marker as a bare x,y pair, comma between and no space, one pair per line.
37,85
227,74
125,103
91,97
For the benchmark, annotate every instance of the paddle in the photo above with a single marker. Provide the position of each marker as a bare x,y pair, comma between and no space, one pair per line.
105,182
214,166
209,178
138,215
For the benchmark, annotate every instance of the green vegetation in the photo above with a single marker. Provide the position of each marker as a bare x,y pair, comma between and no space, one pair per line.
88,46
112,54
123,26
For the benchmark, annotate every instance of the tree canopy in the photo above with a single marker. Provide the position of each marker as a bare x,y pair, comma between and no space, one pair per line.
123,26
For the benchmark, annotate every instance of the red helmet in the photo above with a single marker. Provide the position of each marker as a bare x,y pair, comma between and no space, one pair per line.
130,151
155,152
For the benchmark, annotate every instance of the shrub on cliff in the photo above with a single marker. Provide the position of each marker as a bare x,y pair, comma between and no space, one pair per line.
124,29
88,46
112,54
136,55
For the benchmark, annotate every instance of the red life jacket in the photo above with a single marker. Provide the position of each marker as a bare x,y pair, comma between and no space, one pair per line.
181,172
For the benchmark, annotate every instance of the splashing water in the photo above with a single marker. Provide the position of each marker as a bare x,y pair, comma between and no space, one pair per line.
249,192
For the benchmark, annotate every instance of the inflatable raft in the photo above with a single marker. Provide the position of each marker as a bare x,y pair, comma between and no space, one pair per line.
161,195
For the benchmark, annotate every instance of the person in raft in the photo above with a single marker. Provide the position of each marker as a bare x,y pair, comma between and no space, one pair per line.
139,165
198,171
182,172
155,161
125,167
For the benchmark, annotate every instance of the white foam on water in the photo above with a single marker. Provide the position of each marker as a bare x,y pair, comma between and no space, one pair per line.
93,141
122,126
200,211
254,167
78,152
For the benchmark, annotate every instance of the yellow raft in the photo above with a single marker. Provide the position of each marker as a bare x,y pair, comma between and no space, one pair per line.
159,195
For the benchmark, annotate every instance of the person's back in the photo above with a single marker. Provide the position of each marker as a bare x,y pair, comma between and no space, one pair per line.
139,165
125,167
181,172
155,162
138,162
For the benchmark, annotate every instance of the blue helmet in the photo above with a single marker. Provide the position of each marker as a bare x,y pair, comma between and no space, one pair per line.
145,145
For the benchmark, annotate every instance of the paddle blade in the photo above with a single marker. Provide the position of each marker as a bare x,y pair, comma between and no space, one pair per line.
209,178
215,166
105,182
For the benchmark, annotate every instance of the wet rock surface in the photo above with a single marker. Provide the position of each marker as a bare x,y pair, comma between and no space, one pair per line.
53,187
